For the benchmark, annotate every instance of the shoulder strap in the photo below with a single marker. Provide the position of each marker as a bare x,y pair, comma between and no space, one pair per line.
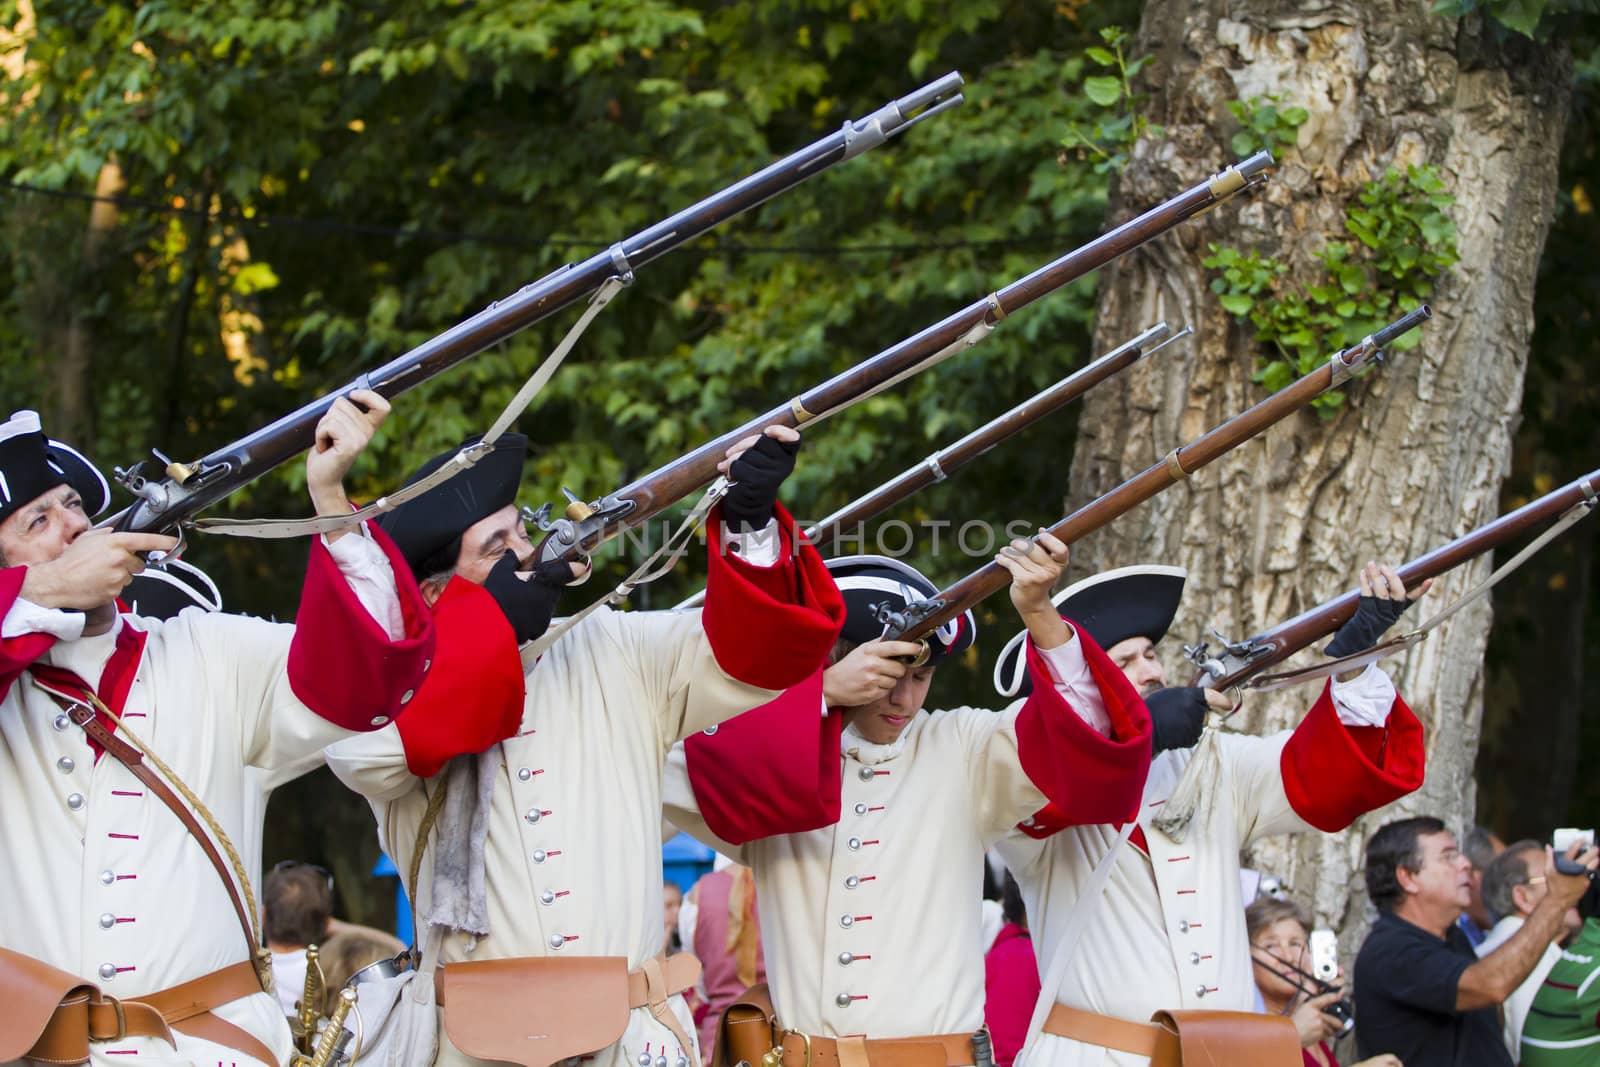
424,831
133,758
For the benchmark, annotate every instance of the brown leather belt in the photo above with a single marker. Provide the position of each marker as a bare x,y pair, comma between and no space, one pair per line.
1123,1035
681,971
88,1015
935,1050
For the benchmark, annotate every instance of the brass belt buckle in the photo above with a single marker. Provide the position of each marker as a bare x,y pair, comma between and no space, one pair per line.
775,1057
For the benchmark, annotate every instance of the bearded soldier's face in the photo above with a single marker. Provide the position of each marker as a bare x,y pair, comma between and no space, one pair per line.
42,529
491,537
1136,658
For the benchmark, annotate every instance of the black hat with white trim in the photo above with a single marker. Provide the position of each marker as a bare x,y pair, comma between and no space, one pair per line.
1112,606
31,465
868,583
423,528
162,592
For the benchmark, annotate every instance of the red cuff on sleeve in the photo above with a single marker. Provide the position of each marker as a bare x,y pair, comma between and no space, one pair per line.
770,626
1089,779
773,770
1334,773
342,664
472,697
16,653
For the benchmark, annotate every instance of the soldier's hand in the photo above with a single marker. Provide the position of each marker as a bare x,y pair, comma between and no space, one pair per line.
93,570
343,433
1384,599
1035,567
757,466
870,671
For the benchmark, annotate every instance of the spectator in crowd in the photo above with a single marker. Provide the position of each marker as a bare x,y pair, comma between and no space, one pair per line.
297,899
671,905
1011,978
1280,937
1512,888
1420,992
722,926
1563,1026
1480,847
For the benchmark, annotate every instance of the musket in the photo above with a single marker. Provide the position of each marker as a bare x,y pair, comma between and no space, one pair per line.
923,617
1239,664
177,491
586,525
825,533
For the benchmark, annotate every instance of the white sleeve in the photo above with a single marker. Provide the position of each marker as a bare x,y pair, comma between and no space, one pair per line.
1077,687
1364,700
26,617
371,578
759,548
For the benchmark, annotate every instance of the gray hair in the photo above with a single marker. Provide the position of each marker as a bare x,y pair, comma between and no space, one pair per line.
1504,873
1478,846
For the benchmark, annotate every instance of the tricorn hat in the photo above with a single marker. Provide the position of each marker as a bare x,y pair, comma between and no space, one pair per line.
162,592
1112,606
424,526
31,464
868,583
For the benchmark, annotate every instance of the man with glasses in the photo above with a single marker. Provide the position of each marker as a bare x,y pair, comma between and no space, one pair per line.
1512,888
1420,992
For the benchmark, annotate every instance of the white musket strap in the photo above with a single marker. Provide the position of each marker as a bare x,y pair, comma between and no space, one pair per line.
661,561
1064,953
462,460
1267,683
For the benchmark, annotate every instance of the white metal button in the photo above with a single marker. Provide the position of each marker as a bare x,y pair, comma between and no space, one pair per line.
538,855
1183,926
1200,991
1194,958
843,1000
556,940
75,801
851,882
107,921
547,897
66,764
846,959
405,698
683,1061
847,921
853,844
867,773
644,1059
861,809
524,774
107,877
62,721
108,971
534,815
380,720
710,731
661,1061
427,663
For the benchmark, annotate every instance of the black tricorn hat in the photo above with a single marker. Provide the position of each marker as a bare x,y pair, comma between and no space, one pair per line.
1111,606
867,583
424,526
31,464
162,592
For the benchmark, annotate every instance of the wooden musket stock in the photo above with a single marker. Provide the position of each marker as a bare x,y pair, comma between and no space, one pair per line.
1242,660
169,498
923,618
575,537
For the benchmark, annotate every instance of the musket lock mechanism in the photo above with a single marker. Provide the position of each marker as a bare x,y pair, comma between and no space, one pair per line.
580,530
898,622
1233,657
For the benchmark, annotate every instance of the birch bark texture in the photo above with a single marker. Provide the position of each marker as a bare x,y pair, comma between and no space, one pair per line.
1417,454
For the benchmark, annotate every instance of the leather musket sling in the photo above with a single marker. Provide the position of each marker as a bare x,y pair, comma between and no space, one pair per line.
52,1016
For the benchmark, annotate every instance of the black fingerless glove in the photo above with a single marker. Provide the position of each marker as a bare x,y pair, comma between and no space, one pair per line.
756,475
1177,715
528,605
1373,616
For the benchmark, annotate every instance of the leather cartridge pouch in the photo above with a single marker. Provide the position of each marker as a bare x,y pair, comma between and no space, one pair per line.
747,1030
31,991
1233,1038
535,1011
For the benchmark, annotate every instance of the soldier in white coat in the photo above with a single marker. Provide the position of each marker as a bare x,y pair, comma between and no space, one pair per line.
1168,931
110,901
563,940
871,923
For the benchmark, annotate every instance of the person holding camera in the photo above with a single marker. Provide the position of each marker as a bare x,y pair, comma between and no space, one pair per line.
1563,1025
1512,889
1421,992
1280,934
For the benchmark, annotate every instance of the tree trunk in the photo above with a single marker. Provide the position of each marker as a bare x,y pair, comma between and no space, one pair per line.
73,416
1418,453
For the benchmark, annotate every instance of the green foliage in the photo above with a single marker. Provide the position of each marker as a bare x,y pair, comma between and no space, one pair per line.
1263,126
1530,18
1119,123
1400,240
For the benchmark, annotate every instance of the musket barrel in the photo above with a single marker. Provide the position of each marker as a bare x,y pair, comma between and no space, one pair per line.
286,437
650,494
1176,466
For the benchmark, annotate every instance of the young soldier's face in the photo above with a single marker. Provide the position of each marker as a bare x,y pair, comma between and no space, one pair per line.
885,719
42,529
1136,658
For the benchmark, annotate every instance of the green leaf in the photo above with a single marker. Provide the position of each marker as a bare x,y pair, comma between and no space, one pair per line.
1519,15
1294,116
1237,304
1104,91
1101,56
